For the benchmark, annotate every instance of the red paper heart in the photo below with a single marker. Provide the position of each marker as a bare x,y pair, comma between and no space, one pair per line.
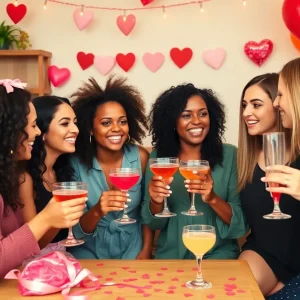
85,60
16,13
58,76
258,52
181,57
145,2
125,61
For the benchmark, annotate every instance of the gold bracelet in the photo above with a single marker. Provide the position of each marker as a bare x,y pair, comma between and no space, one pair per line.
154,202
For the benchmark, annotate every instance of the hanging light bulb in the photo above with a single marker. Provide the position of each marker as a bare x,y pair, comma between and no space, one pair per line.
244,2
201,6
82,10
124,16
45,4
164,12
16,3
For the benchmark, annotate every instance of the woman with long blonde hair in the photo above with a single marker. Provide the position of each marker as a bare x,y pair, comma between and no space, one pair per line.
288,177
269,249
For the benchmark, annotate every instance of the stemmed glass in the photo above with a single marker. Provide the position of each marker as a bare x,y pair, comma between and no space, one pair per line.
193,169
124,179
64,191
199,239
165,167
274,153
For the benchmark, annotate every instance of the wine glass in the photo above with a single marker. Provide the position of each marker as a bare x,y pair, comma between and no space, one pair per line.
165,167
199,239
64,191
274,153
124,179
193,169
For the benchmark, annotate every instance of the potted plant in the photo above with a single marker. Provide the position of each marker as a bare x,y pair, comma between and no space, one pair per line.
11,35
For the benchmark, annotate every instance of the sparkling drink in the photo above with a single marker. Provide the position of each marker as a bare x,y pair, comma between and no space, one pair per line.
199,242
124,181
65,195
164,170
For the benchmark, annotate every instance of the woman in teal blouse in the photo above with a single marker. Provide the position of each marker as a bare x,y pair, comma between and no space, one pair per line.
188,123
107,120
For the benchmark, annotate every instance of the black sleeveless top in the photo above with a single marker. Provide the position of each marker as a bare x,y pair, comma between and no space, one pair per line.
277,241
42,198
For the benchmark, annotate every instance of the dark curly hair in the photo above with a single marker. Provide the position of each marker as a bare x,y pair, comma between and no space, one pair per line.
164,115
90,96
46,107
14,108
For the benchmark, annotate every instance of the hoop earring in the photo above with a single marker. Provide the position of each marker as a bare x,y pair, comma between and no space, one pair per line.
90,138
11,152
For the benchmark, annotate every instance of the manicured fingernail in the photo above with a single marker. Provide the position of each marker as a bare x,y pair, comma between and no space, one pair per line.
188,190
128,200
120,208
263,179
267,189
170,192
125,206
86,199
168,187
186,185
127,195
187,181
159,177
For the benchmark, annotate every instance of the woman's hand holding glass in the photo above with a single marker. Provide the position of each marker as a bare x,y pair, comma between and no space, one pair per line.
159,188
286,177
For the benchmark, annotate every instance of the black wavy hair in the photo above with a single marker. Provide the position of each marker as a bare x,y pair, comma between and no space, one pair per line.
90,96
46,107
164,115
14,108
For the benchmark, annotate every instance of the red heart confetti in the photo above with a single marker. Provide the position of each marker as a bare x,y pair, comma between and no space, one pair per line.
109,279
121,286
230,293
188,295
159,281
132,279
120,298
180,271
170,292
99,276
172,287
241,291
146,295
132,271
164,269
210,296
159,274
108,292
175,279
140,291
99,265
157,290
228,289
147,286
153,282
113,273
231,286
232,278
125,268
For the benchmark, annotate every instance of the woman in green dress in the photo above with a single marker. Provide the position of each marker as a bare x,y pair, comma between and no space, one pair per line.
188,123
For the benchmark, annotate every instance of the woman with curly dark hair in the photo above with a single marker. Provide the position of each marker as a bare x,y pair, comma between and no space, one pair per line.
49,162
188,123
18,130
110,121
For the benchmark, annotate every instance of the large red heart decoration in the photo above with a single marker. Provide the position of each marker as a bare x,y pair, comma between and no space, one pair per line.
145,2
58,76
16,13
259,52
125,61
181,57
85,60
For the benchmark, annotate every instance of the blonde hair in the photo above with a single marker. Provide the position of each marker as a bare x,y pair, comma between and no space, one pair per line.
291,76
249,146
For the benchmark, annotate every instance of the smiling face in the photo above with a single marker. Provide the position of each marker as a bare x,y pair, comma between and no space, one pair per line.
193,123
24,150
282,103
110,126
258,111
62,131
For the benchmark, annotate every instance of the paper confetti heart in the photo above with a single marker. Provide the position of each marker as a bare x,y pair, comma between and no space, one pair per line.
132,271
157,290
113,273
108,292
175,279
125,268
241,291
170,292
164,269
188,295
146,295
140,291
180,271
232,278
230,293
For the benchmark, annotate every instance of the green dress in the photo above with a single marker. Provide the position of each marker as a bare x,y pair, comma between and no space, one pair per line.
169,244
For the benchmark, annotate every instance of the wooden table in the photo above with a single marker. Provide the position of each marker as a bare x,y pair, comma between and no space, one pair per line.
166,278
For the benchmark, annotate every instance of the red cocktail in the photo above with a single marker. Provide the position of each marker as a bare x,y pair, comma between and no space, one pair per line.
165,167
64,191
124,179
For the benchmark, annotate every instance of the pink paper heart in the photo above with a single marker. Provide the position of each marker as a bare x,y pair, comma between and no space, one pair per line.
180,271
188,295
58,76
227,289
175,279
231,286
159,281
157,290
232,278
210,296
104,65
82,21
230,293
153,62
126,25
146,295
214,58
125,268
140,291
113,273
153,282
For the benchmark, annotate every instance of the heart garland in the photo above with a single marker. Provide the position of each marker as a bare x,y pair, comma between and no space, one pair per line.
85,60
181,57
82,21
258,52
16,13
126,24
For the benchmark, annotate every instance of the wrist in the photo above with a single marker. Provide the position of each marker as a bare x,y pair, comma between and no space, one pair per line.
213,199
97,211
155,202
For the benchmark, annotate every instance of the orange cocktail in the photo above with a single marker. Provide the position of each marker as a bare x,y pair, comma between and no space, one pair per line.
194,172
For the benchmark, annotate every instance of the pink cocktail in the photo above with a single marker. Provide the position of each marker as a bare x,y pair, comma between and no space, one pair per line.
124,179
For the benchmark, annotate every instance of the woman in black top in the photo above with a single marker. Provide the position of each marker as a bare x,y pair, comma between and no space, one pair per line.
271,248
288,104
50,158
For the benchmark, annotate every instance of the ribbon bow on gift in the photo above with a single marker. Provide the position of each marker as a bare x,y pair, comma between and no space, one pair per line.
9,84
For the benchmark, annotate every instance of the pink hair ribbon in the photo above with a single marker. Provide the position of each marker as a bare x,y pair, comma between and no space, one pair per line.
9,84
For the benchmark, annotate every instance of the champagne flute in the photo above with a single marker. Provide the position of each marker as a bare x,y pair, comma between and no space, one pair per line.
193,169
199,239
165,167
274,153
64,191
124,179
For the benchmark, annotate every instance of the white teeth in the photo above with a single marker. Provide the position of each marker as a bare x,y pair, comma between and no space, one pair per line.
115,137
31,144
252,122
70,140
196,130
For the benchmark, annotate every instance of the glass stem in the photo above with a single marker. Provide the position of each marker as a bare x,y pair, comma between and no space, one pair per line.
192,197
70,234
166,209
125,216
276,209
199,279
